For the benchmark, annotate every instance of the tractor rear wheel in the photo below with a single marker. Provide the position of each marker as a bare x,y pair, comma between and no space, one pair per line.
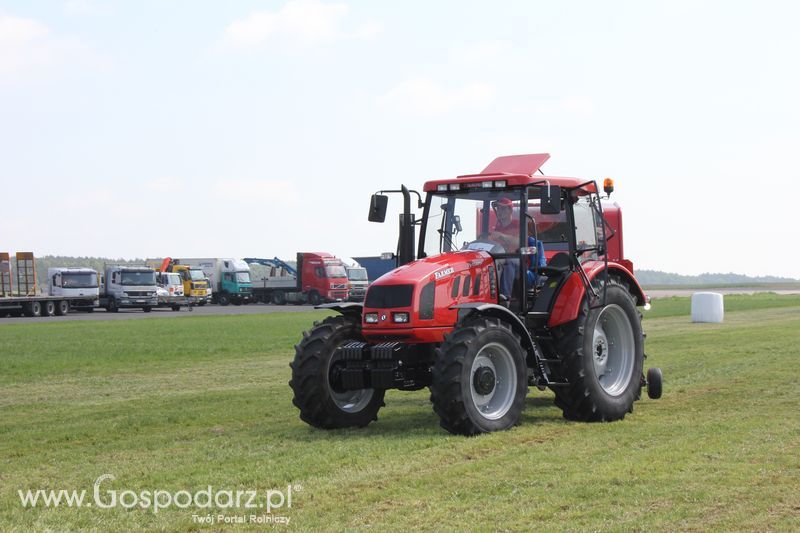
479,378
320,404
602,358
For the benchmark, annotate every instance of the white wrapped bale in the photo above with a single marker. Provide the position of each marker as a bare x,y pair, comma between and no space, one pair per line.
707,307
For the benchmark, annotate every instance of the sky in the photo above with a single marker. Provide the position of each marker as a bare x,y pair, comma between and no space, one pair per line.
261,128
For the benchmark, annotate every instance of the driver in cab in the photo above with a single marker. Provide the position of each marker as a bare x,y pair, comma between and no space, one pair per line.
506,232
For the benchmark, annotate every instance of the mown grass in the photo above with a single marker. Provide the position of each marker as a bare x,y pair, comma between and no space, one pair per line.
183,404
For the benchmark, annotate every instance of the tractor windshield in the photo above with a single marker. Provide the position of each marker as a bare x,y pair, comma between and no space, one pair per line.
476,219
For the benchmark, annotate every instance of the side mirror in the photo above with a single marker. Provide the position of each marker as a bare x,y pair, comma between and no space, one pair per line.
377,208
457,223
551,200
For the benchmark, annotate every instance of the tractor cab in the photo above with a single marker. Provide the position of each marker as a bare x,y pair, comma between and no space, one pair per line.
525,228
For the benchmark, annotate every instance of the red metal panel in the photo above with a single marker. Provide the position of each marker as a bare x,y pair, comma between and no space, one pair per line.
516,164
569,299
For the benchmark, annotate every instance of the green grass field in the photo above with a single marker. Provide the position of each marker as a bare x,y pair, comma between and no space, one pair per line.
181,404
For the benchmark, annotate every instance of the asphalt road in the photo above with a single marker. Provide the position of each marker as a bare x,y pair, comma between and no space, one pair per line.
130,314
256,309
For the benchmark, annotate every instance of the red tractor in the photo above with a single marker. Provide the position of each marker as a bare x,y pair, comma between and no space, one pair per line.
519,280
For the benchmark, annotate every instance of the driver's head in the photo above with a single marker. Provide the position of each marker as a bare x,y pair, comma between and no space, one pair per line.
503,208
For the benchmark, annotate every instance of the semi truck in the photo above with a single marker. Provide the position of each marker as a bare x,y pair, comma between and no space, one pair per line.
229,278
67,288
318,277
357,278
128,287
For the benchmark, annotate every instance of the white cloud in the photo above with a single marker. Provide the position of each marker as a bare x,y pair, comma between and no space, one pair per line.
573,105
427,97
87,7
263,192
164,185
483,52
29,49
299,21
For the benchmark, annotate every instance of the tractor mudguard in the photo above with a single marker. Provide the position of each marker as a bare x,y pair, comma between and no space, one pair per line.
571,295
354,309
498,311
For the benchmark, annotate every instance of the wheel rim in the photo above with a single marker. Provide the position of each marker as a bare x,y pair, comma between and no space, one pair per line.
351,401
494,359
613,350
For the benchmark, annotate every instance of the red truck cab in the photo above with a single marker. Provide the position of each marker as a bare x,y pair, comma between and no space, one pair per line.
323,274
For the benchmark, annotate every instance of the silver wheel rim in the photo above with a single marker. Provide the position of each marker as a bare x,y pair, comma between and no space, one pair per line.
498,401
351,401
613,350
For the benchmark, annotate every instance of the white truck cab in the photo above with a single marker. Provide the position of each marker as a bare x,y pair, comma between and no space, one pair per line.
78,287
128,286
358,279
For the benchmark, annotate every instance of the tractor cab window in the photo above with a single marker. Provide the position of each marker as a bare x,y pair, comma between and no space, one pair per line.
474,218
551,230
589,227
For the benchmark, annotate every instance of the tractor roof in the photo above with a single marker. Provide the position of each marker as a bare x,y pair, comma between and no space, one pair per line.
515,170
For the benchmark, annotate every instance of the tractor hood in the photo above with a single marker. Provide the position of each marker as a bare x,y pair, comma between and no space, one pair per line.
435,268
415,303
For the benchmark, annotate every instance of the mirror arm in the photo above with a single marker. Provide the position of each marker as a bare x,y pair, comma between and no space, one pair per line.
420,203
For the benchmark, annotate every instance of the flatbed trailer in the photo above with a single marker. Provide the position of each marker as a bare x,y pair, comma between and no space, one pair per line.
24,297
43,305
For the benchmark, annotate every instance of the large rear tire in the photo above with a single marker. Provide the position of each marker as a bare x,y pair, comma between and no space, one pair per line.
603,356
320,405
479,378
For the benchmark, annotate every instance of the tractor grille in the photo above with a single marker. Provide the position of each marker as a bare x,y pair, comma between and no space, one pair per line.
389,296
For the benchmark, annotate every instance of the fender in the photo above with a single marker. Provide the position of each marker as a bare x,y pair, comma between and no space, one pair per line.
353,309
498,311
571,295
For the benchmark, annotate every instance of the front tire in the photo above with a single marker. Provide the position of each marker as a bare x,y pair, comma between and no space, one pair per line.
602,358
479,378
314,298
320,405
223,299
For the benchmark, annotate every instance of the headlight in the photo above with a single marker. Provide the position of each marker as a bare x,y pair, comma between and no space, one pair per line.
400,318
371,318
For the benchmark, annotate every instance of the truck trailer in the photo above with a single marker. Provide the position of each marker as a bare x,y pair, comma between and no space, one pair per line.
319,277
229,278
67,289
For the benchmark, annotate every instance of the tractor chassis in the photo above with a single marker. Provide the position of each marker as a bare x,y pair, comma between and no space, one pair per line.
386,365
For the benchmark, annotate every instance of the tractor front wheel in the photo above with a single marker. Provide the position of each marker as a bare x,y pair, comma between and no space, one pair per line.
313,369
602,358
479,378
